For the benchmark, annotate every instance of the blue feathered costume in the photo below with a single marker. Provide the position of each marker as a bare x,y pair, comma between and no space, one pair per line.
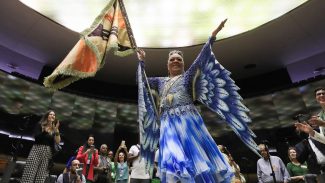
187,152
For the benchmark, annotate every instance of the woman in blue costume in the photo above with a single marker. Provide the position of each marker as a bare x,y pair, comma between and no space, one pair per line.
187,151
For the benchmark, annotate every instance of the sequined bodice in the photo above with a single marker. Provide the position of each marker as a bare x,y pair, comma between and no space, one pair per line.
173,93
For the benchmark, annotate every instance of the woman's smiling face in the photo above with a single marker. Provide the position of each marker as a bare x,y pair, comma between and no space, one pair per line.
175,65
51,116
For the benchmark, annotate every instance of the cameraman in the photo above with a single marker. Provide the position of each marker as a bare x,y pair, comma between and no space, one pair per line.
72,176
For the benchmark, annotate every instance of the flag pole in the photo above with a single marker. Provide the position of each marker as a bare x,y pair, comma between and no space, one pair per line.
134,45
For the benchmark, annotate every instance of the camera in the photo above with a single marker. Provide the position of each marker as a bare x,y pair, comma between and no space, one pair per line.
302,117
79,171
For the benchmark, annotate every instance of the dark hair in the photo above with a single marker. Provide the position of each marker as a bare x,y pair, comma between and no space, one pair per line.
318,89
90,135
86,146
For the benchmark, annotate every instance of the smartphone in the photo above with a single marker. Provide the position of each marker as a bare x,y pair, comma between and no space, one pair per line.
123,143
81,165
302,117
92,146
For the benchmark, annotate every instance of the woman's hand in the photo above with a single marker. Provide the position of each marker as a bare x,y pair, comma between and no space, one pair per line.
141,55
221,25
56,127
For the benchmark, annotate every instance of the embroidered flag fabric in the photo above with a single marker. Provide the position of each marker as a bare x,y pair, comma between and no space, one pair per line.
107,32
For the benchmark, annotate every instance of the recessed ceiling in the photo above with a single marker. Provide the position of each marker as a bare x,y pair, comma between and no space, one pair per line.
170,23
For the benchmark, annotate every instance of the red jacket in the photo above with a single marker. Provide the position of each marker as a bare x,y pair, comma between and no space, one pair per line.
83,157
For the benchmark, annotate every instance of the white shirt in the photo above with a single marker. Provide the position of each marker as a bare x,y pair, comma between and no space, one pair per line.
320,137
138,165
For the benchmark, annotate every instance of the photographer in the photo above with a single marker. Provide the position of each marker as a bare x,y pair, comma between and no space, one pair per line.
104,169
73,176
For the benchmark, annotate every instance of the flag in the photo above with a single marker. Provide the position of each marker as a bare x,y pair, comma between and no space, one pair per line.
108,31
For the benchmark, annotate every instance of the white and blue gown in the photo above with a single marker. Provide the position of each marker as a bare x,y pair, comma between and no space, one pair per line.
187,152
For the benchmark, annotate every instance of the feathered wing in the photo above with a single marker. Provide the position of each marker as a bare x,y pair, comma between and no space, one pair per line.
213,87
148,120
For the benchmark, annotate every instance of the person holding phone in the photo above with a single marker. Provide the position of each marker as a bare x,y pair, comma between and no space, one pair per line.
37,164
121,164
88,155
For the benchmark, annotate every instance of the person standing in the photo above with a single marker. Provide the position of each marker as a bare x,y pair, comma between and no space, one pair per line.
264,171
111,157
239,177
187,151
138,169
312,150
316,120
88,155
121,165
104,168
37,164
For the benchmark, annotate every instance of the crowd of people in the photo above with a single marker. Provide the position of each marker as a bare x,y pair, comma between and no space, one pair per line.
101,166
307,158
